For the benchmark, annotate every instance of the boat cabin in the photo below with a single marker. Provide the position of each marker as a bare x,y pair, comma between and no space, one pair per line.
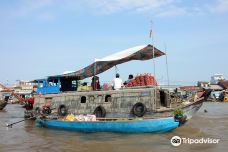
56,84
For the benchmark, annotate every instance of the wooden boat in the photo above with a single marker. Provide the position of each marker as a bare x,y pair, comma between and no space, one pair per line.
156,125
2,104
189,108
160,122
126,103
130,103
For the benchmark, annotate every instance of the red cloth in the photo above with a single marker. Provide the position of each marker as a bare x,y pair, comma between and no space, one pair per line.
31,100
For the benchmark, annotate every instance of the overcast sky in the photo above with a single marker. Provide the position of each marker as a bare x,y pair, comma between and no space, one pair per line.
47,37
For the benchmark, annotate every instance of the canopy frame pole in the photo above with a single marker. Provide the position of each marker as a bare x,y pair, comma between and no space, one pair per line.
116,69
152,41
94,74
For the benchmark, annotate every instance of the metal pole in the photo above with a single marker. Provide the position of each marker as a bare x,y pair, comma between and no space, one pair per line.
152,41
167,67
116,69
94,74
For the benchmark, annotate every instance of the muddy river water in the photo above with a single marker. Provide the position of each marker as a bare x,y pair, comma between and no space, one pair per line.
24,137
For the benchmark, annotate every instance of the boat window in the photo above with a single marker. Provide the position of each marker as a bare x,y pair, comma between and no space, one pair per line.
41,84
108,98
50,83
55,82
83,99
99,98
91,98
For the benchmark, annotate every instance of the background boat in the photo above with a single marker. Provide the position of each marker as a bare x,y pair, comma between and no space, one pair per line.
2,104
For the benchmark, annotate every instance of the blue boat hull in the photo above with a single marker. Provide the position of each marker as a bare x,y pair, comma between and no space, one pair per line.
160,125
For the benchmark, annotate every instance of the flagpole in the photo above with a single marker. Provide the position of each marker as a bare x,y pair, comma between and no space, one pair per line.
152,42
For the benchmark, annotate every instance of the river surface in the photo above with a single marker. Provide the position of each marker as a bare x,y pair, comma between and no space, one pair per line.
24,137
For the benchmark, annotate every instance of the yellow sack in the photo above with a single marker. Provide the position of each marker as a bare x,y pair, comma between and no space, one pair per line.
85,88
70,117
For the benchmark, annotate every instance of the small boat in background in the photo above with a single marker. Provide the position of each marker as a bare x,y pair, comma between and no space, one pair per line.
137,125
2,104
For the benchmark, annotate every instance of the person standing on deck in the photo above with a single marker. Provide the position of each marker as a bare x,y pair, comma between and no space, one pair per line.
95,84
117,82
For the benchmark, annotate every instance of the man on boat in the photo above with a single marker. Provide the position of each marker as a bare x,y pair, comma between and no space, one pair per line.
130,77
117,82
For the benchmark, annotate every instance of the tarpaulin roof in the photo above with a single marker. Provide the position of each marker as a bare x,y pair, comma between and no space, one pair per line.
224,84
143,52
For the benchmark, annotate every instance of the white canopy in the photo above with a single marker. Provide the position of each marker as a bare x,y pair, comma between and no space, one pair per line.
122,54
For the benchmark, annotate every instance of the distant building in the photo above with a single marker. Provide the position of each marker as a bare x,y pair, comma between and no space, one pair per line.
203,84
189,88
216,78
5,92
24,88
24,85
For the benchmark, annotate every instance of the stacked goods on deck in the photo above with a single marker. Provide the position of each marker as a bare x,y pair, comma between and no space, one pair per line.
142,80
72,117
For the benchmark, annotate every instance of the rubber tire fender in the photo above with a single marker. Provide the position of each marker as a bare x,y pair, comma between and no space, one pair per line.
139,109
46,110
62,110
